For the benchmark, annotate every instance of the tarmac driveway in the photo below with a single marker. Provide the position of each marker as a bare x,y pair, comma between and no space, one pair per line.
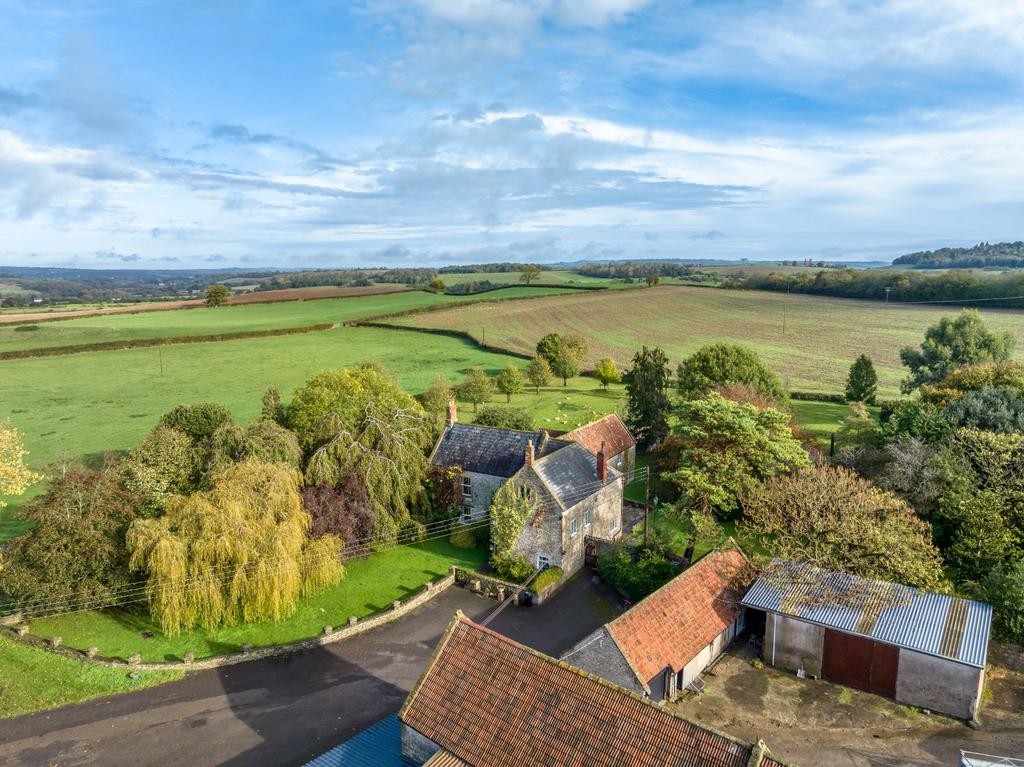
284,711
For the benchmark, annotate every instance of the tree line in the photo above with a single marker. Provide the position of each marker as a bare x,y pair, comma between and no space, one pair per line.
1000,255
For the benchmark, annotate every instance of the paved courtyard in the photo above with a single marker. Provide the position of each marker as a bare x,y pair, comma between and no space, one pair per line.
817,723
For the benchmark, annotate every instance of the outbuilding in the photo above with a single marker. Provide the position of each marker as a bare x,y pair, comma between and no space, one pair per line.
916,647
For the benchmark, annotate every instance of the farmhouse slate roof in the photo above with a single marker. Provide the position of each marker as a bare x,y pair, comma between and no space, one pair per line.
570,475
489,450
493,702
935,624
668,628
609,430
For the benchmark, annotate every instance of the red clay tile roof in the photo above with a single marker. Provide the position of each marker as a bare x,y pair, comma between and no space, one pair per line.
444,759
672,625
610,429
495,703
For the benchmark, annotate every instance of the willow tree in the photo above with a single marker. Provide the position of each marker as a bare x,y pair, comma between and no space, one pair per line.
386,449
238,553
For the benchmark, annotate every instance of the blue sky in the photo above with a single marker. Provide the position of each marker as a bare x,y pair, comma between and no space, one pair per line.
435,131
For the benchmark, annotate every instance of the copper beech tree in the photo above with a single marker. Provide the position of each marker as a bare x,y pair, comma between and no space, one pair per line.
832,519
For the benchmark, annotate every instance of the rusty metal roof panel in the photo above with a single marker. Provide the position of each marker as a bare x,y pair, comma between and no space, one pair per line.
936,624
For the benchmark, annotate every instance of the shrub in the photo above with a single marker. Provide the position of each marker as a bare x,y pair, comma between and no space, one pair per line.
197,421
512,567
462,539
636,577
547,578
505,417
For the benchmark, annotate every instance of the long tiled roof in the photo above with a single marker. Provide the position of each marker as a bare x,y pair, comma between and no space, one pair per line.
570,475
609,430
669,627
936,624
495,703
489,450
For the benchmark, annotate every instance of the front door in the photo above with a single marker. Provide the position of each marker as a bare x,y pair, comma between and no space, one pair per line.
861,663
590,555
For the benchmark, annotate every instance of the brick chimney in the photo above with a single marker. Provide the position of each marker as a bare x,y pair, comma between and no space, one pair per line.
602,466
453,412
529,453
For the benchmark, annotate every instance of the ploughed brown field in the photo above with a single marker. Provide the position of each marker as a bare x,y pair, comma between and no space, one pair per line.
811,341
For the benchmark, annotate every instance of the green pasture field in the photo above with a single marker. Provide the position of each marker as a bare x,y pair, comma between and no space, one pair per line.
370,586
811,341
228,319
87,404
32,679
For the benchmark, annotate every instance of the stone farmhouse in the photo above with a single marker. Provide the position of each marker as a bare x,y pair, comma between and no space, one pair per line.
487,701
660,646
924,649
577,493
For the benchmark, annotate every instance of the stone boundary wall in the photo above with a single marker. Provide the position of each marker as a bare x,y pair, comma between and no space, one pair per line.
1009,655
330,634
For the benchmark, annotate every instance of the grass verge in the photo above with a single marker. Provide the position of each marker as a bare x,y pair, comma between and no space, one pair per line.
370,586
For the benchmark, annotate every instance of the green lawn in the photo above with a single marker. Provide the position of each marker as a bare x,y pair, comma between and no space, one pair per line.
32,679
823,418
230,319
370,585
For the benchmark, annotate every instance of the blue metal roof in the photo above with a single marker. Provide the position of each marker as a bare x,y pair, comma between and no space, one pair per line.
379,745
936,624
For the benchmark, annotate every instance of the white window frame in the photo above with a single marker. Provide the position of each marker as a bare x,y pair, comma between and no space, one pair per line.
615,524
467,515
543,561
467,488
588,517
574,527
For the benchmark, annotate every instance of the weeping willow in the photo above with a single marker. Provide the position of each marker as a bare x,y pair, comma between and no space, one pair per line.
238,553
387,450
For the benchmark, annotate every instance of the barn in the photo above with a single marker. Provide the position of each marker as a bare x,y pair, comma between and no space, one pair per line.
916,647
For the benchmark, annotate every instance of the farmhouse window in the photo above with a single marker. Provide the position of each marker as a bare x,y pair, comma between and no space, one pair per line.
467,488
588,517
615,524
574,527
543,561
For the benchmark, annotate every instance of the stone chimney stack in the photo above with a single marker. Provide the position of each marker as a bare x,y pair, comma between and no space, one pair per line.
602,464
529,453
453,412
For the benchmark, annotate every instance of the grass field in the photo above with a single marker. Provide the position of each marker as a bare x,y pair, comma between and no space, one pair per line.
33,679
821,339
228,319
547,277
370,586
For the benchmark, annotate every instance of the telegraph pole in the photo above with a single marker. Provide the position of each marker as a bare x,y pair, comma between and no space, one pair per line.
647,503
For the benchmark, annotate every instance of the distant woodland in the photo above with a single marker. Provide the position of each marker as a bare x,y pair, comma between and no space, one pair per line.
1000,255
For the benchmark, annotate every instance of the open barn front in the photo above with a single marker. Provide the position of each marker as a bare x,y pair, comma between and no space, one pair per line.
861,663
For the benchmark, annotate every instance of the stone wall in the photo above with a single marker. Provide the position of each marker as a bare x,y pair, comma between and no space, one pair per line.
1009,656
330,634
483,487
606,522
792,644
939,685
417,748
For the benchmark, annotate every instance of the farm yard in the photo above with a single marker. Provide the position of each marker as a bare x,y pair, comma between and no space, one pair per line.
822,336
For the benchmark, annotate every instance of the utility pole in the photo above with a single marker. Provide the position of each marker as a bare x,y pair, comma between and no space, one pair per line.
887,294
647,503
783,319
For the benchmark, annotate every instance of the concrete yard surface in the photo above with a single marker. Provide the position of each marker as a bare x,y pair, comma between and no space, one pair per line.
813,723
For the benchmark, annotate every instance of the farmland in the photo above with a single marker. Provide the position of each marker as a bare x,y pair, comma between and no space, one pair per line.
809,340
547,277
228,319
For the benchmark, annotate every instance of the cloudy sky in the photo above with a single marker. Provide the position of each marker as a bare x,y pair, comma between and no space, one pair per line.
222,133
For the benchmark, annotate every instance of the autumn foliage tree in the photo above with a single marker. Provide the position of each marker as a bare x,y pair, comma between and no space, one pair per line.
15,476
238,553
538,373
344,511
831,518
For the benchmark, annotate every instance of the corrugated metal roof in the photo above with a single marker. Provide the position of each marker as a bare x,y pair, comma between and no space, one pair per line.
936,624
379,745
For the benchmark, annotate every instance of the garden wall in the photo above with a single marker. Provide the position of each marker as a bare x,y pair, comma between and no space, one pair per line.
330,635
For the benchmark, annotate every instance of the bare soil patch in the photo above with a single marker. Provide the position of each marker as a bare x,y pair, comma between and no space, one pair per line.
811,723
